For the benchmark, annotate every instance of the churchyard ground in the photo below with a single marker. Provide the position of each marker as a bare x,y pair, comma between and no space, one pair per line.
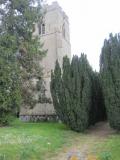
54,141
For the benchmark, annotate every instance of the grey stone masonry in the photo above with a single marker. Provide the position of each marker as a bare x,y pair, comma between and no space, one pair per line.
54,33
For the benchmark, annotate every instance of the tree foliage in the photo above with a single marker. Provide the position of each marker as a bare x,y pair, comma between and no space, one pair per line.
70,92
109,70
21,53
77,93
9,79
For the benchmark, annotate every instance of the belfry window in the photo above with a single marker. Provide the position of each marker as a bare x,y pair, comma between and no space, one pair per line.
41,28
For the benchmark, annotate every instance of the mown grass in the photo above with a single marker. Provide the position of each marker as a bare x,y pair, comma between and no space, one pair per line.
110,146
40,141
31,141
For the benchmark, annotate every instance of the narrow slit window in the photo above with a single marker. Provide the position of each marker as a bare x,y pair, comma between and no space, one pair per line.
63,30
41,28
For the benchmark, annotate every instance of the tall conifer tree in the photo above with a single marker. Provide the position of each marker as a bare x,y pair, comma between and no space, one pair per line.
71,92
110,74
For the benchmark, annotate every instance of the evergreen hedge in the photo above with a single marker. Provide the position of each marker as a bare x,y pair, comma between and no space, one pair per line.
74,94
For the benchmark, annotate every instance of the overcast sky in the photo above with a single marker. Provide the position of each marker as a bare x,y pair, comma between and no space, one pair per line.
91,21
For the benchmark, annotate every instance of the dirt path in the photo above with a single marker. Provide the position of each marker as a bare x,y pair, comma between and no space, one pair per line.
84,143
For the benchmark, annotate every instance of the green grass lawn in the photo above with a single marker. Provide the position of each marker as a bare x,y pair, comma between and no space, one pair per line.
110,146
40,141
23,141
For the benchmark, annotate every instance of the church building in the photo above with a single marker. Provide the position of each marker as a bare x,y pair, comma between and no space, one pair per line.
54,33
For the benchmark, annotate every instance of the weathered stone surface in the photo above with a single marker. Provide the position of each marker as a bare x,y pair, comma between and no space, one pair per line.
56,40
39,118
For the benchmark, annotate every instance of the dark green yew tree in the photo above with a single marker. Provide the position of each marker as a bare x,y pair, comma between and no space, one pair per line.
71,92
56,90
77,93
110,75
82,90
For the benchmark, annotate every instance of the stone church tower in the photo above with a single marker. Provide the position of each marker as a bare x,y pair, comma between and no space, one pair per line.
54,33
